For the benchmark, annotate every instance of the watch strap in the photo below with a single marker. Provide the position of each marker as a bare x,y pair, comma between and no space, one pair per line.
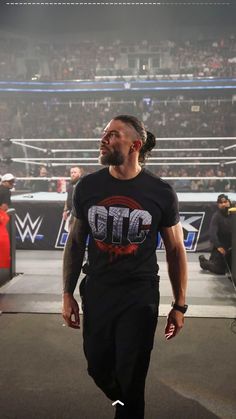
182,309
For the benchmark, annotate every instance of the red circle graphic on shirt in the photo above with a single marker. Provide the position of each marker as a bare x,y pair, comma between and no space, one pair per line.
117,250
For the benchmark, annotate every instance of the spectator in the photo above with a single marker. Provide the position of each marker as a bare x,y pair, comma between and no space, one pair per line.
7,183
42,184
221,239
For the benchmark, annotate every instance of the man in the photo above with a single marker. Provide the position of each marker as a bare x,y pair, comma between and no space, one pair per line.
221,239
7,183
122,207
43,184
222,183
75,174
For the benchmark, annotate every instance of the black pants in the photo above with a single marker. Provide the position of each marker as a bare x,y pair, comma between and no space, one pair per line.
217,263
118,330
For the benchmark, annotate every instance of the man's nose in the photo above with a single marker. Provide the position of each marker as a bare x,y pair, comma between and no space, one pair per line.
105,139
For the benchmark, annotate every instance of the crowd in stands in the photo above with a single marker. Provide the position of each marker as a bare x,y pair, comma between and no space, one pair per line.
167,118
174,117
25,59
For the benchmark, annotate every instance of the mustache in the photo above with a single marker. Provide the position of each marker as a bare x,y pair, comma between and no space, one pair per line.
104,147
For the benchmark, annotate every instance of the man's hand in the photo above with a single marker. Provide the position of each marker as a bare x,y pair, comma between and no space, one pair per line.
175,322
70,311
221,250
65,215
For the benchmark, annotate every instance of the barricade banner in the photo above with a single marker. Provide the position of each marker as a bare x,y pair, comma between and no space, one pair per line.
39,225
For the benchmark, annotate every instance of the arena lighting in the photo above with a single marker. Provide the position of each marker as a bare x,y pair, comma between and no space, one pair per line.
164,159
114,89
156,84
73,150
20,140
73,161
164,177
66,83
183,88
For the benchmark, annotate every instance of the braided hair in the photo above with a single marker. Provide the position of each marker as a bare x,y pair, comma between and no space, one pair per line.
147,138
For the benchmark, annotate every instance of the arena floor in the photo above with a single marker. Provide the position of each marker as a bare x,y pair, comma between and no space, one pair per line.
37,288
43,369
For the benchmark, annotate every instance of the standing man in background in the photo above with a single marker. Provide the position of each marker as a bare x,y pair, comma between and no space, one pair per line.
75,174
122,207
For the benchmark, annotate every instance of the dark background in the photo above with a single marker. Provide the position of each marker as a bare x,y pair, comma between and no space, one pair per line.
162,20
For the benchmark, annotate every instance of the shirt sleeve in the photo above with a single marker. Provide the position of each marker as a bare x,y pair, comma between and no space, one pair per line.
171,212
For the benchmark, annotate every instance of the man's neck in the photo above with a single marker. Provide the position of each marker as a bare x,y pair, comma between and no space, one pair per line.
125,172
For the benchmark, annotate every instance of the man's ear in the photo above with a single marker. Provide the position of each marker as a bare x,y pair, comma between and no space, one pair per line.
136,146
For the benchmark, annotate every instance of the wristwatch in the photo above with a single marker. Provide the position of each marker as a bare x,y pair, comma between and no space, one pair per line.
182,309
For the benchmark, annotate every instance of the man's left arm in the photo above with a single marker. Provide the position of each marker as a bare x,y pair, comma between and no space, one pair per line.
177,269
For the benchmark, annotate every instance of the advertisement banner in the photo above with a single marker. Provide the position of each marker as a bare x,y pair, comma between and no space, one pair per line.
39,225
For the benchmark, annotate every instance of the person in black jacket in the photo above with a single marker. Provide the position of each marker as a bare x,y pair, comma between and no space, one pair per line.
220,237
75,174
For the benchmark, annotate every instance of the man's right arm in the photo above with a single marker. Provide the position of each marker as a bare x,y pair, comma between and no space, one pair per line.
72,264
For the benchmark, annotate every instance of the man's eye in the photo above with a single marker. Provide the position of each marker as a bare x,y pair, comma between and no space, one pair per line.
110,134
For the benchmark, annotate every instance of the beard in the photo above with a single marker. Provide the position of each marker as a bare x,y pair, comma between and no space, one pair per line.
112,158
74,181
224,211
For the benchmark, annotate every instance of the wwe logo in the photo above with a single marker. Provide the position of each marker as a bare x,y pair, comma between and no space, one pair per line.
127,85
27,227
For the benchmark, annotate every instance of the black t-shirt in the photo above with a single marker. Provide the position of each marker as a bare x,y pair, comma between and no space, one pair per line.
41,185
5,195
123,218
